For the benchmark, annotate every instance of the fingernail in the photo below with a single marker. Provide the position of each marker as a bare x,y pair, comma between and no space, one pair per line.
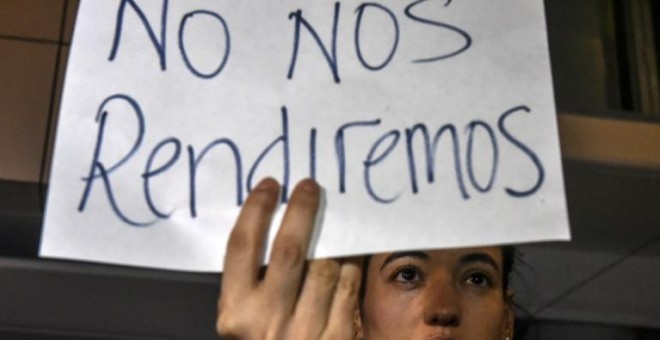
267,184
309,185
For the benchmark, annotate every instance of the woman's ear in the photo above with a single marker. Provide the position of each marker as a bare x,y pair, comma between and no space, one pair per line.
358,330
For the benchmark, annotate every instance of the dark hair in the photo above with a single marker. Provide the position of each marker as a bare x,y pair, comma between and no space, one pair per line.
508,259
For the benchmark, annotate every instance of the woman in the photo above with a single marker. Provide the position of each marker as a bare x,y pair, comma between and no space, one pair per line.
441,294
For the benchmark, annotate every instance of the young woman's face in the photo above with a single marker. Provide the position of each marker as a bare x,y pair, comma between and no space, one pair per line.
440,295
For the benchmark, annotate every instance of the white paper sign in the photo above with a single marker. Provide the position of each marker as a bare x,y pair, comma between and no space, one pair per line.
430,124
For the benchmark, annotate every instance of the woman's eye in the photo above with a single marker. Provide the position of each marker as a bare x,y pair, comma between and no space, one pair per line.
478,279
407,274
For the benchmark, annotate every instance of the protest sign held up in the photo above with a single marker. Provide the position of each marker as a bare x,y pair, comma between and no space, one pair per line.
429,124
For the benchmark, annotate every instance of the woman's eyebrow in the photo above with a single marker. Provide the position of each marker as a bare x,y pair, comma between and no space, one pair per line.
480,257
417,254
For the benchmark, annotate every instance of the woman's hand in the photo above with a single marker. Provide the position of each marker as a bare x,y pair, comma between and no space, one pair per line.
296,299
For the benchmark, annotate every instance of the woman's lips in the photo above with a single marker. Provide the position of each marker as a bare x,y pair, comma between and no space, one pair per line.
442,335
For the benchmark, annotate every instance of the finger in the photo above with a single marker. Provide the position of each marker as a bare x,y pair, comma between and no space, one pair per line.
289,251
345,301
313,307
245,248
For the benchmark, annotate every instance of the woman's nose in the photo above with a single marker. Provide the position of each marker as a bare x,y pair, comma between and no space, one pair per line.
442,305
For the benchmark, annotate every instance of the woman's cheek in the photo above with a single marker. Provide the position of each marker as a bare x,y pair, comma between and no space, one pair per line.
392,313
490,315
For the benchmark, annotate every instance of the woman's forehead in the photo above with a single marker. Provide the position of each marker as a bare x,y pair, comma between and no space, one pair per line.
444,255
